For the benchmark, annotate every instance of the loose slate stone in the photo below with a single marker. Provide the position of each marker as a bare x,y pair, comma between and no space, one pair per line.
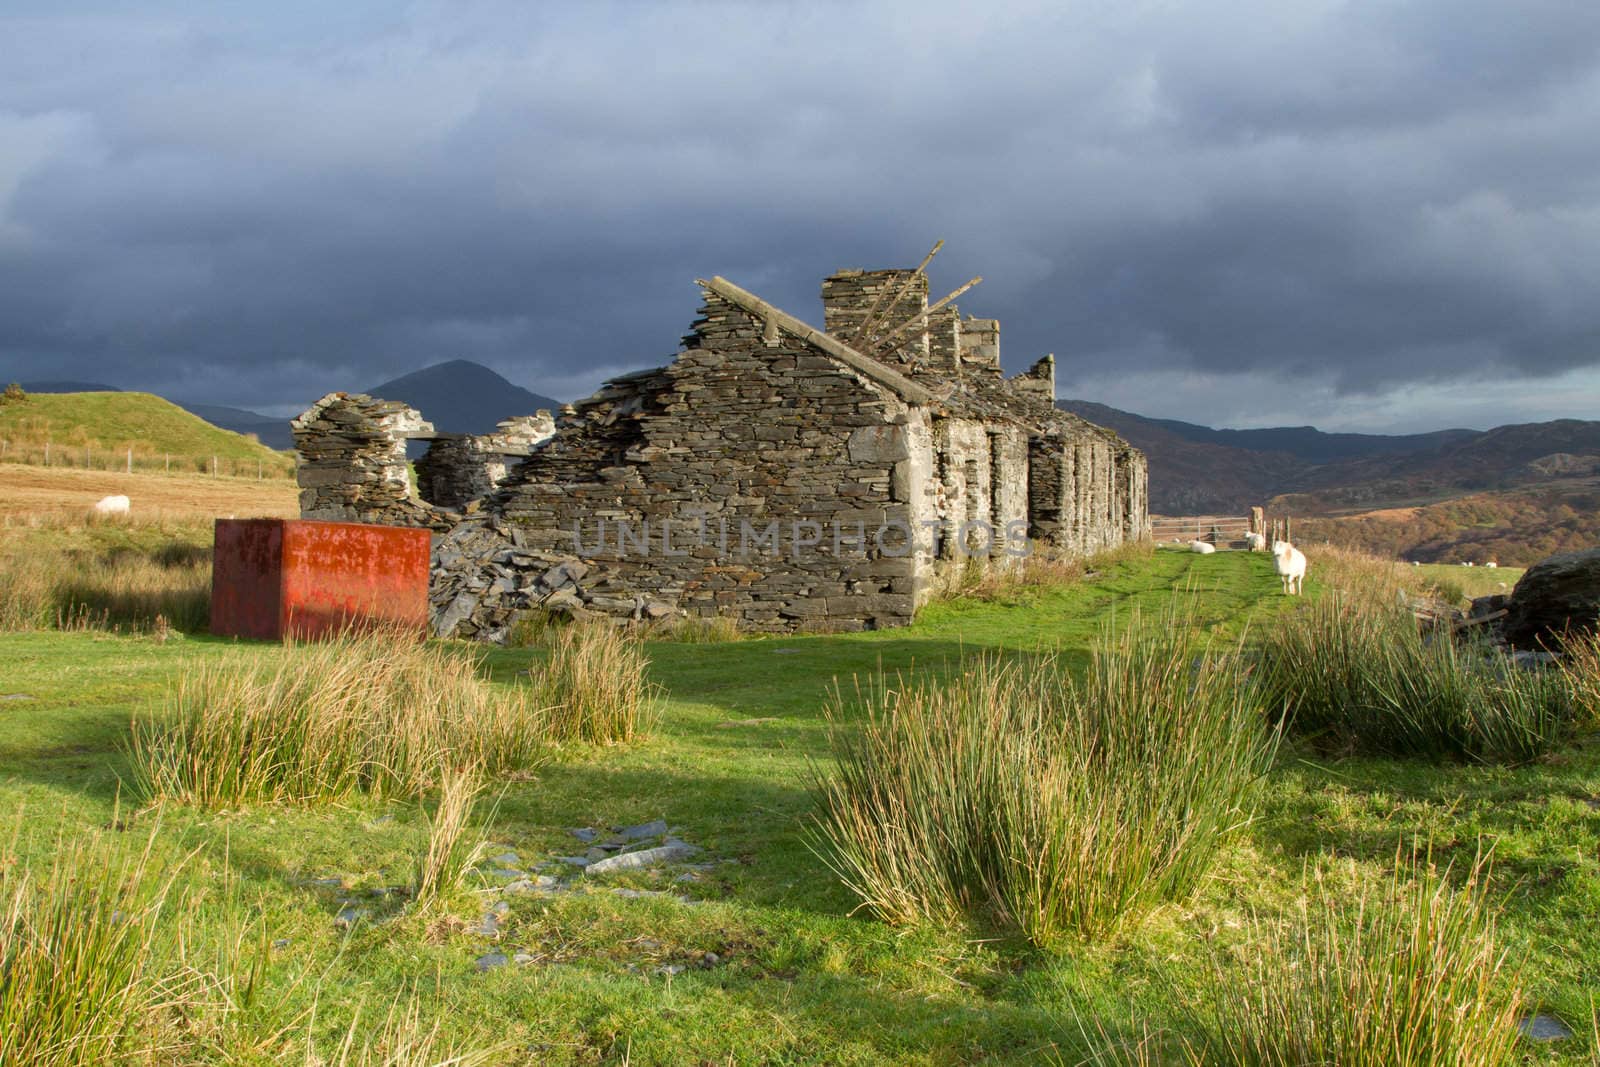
1543,1028
576,861
542,883
643,830
506,859
350,915
489,961
585,834
650,857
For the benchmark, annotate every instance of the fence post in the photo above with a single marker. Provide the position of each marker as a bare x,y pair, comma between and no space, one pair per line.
130,460
47,453
169,462
213,466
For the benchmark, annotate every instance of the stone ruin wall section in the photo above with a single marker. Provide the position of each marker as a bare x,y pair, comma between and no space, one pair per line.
738,430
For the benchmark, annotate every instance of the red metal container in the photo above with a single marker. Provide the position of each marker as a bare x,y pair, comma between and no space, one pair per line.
273,578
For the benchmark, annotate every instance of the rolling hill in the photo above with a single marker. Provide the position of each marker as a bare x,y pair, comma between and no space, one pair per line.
1195,469
113,422
274,433
1513,494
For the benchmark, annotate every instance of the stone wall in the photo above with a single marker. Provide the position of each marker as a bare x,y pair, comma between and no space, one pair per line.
729,483
772,474
460,469
352,462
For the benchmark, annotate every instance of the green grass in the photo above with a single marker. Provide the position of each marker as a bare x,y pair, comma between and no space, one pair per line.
108,424
1027,799
800,976
1354,674
1465,582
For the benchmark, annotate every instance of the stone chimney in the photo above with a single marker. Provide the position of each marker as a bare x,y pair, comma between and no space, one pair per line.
1038,380
849,295
980,346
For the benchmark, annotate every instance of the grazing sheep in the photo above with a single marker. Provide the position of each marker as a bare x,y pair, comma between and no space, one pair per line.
1257,542
1491,563
112,505
1202,547
1291,566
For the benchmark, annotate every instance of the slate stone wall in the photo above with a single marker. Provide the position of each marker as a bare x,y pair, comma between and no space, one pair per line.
764,475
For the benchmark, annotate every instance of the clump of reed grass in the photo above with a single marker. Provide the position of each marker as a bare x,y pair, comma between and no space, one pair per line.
1015,794
1407,973
374,713
402,1039
44,587
1356,674
696,630
595,683
79,981
443,866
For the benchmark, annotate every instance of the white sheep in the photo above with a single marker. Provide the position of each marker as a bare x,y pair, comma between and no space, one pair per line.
1491,563
1205,548
112,505
1291,566
1257,542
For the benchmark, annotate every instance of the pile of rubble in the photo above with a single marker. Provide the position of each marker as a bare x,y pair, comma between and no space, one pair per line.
484,575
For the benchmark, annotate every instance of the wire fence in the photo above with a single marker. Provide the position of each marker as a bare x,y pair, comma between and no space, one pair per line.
129,460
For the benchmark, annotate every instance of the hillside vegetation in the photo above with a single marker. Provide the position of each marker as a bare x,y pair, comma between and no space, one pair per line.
1515,528
97,430
1336,882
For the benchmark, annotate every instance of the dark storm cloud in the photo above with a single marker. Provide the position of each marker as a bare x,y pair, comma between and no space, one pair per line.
252,205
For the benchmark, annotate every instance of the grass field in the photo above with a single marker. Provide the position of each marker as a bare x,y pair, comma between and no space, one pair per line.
98,431
33,496
760,956
1470,581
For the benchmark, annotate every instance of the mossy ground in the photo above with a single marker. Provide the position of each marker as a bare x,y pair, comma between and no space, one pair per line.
797,977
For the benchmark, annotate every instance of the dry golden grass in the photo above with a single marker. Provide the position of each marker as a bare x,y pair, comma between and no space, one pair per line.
32,497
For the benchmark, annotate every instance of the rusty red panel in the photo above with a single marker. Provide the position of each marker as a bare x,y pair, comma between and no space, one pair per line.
247,578
303,578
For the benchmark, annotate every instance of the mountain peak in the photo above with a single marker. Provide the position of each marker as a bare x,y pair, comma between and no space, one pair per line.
460,396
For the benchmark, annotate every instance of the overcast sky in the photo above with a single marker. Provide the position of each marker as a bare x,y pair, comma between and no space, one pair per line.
1377,216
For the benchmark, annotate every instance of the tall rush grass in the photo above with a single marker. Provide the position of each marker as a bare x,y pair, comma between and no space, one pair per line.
79,977
1356,674
374,713
381,714
1404,973
1016,794
443,866
596,685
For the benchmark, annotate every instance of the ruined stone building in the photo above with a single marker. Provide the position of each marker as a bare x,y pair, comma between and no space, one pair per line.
782,475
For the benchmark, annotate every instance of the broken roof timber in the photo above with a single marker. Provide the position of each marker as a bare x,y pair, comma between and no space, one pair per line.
866,365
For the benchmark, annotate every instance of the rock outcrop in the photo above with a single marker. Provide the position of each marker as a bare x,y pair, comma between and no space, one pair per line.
1555,595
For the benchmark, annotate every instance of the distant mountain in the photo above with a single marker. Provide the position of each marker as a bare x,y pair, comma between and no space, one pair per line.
462,397
1195,469
274,433
67,387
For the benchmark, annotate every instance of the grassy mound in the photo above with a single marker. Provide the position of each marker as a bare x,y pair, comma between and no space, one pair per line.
96,430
